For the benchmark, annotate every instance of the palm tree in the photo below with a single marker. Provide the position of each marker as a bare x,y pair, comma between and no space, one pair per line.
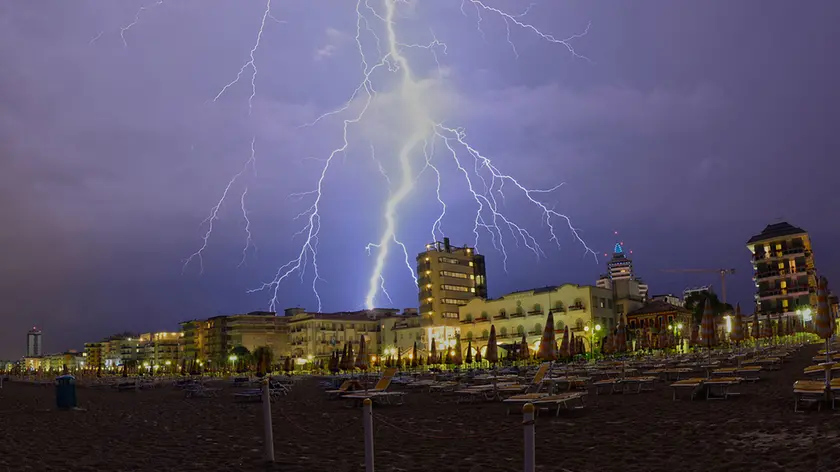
240,356
263,357
697,301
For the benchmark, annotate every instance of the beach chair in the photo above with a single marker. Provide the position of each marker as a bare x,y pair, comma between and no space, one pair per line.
255,394
719,388
808,391
540,400
387,398
749,373
485,392
342,389
200,391
610,385
693,386
637,384
384,382
535,384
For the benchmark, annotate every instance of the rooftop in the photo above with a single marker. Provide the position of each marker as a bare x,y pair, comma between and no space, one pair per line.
657,306
776,230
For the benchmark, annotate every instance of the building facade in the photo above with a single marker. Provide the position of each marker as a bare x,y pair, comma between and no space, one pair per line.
587,311
620,276
783,269
448,278
34,346
210,341
659,314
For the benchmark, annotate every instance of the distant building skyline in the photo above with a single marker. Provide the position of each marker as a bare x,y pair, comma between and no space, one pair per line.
34,345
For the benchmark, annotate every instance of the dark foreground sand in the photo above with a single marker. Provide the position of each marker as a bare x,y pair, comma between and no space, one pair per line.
161,430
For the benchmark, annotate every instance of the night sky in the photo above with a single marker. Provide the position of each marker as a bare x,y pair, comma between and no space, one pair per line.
691,127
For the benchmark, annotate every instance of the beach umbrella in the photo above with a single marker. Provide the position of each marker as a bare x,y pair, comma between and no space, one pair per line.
621,335
823,323
564,344
573,346
707,328
756,328
695,335
478,356
547,350
524,351
767,329
350,356
361,358
492,353
458,358
433,353
469,358
415,360
287,365
737,333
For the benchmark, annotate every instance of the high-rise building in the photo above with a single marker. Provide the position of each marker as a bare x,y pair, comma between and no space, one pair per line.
448,277
34,348
620,273
784,272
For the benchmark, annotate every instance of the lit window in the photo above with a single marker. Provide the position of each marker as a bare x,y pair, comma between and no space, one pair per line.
471,263
784,303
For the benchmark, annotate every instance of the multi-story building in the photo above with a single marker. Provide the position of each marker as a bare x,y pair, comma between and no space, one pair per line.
211,340
448,278
668,298
659,314
620,276
696,291
784,272
161,352
314,336
70,360
587,311
119,350
34,347
93,355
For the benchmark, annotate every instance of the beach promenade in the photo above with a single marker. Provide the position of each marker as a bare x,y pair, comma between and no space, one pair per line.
160,429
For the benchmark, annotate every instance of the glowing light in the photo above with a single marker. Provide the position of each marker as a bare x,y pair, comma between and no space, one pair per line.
424,134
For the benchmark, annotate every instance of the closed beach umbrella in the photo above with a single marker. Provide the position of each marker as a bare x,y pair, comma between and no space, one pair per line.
823,324
287,366
524,351
415,361
707,326
458,358
564,344
361,358
621,335
433,353
767,329
492,354
547,350
573,347
350,357
737,333
756,329
478,356
469,358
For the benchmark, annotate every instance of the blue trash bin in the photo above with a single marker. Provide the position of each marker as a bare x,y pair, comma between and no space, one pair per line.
65,392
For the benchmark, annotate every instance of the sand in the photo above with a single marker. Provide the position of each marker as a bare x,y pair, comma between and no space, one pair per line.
162,430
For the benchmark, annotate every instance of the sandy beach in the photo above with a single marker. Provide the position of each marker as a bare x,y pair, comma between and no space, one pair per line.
160,429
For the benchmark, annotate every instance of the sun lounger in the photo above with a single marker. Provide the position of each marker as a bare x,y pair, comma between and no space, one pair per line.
479,392
808,391
749,373
275,391
693,386
345,387
819,369
543,400
610,385
388,398
637,384
719,388
724,372
200,391
441,387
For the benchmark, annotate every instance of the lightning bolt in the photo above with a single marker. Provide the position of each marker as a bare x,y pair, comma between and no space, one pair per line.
249,243
439,142
124,29
214,212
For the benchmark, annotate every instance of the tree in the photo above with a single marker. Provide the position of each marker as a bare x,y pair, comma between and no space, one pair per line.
242,358
263,357
696,303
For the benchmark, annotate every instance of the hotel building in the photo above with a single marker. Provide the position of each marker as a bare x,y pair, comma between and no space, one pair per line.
621,277
448,278
211,340
34,347
783,269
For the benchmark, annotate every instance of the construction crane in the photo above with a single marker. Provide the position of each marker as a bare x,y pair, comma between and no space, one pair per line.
723,273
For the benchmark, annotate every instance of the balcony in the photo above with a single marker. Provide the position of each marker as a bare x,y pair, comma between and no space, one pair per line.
517,315
783,292
770,274
784,253
499,317
577,307
535,313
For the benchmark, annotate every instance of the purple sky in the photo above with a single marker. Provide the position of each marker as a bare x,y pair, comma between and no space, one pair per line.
694,125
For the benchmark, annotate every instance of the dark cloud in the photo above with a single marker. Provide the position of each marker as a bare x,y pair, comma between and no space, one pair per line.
693,125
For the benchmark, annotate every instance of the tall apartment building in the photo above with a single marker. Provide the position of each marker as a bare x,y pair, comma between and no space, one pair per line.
784,272
211,340
34,348
448,277
622,280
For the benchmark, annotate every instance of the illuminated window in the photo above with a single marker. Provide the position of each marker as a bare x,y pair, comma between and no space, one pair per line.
784,284
450,314
781,265
471,263
784,303
455,288
453,301
456,275
778,246
449,260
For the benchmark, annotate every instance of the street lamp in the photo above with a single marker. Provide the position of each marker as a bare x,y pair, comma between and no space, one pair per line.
232,360
593,336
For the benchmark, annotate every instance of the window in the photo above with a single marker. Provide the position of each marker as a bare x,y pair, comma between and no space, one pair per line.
520,330
456,275
503,312
484,314
448,260
485,334
784,303
538,328
559,325
453,301
503,331
450,314
537,307
469,335
454,288
619,307
468,317
602,302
